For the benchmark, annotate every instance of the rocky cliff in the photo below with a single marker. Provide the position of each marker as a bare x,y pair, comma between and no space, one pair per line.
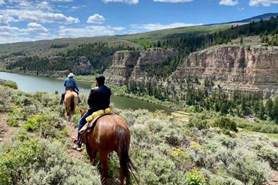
127,65
232,67
248,69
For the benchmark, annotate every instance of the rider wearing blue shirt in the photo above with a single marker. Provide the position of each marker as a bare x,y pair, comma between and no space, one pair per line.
69,84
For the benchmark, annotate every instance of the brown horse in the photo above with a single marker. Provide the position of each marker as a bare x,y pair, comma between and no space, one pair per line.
110,133
70,101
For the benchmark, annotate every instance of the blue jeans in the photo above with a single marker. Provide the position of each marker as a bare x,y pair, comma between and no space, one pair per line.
82,122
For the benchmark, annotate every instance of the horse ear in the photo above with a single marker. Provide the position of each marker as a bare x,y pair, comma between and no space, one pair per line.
80,111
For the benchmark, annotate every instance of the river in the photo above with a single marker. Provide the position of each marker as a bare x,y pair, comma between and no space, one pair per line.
32,84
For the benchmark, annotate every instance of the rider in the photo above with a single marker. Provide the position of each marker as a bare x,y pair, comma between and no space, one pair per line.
70,84
99,99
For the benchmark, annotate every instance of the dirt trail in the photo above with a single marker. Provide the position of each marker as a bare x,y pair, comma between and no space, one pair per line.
5,130
274,180
72,131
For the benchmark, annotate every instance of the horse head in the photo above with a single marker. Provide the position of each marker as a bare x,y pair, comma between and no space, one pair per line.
82,112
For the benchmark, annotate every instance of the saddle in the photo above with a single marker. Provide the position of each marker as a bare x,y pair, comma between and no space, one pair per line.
89,127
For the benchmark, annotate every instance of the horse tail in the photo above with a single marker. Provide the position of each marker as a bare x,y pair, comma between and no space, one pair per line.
122,150
72,105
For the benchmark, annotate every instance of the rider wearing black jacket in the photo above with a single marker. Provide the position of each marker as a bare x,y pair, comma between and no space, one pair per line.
99,99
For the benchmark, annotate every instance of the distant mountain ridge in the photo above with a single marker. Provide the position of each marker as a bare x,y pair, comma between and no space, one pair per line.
266,16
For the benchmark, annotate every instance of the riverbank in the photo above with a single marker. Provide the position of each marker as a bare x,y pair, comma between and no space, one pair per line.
89,81
32,84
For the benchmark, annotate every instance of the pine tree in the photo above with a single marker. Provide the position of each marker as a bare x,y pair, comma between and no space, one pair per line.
243,105
256,107
261,110
275,109
269,108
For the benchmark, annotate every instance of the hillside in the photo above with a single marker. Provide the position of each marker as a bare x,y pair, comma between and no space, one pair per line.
204,149
46,48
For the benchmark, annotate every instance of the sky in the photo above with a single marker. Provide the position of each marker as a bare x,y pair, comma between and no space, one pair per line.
31,20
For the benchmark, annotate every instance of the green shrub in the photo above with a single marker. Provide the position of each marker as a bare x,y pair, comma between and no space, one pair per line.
20,135
217,180
5,95
29,126
244,166
8,83
198,123
15,164
47,125
159,171
12,119
194,177
225,123
270,155
42,162
12,122
28,111
75,119
262,126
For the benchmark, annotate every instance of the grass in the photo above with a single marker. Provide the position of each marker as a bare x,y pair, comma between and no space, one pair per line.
181,116
273,136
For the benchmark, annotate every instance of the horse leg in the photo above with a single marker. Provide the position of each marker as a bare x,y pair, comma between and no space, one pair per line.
92,155
104,162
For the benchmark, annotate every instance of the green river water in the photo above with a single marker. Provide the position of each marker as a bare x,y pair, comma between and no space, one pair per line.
32,84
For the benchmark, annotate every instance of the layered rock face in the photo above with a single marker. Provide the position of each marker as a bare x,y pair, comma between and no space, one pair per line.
127,65
233,67
254,68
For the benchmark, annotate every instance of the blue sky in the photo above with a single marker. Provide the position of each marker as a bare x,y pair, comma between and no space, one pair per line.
29,20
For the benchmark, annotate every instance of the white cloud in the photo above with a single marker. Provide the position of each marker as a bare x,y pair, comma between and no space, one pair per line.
88,31
157,26
118,28
62,0
2,2
39,16
173,1
263,2
96,18
122,1
44,6
3,20
9,29
39,11
45,36
228,2
36,28
4,39
34,31
10,34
